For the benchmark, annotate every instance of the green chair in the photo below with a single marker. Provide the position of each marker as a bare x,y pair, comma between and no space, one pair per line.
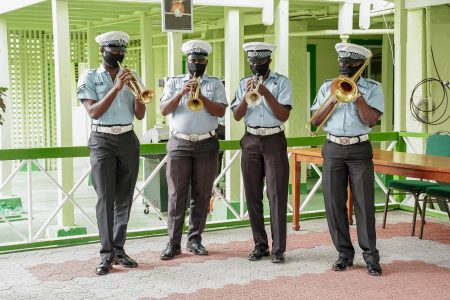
439,194
437,144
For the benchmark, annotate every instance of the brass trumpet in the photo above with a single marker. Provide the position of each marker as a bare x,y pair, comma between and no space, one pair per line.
344,90
253,97
194,103
145,96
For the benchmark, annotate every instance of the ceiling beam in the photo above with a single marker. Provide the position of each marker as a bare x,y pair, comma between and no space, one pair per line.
17,4
227,3
414,4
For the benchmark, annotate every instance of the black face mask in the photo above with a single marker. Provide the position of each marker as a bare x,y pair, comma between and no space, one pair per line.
261,69
111,59
198,69
347,70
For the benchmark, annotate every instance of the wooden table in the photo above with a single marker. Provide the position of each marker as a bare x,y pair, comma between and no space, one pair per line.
386,162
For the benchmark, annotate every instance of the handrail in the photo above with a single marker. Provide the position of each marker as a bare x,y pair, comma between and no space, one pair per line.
83,151
31,155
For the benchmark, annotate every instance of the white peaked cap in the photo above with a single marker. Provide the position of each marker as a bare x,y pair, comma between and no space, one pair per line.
352,51
196,46
113,38
259,49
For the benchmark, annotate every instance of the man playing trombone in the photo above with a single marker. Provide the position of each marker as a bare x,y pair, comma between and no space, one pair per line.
194,101
113,145
264,101
347,154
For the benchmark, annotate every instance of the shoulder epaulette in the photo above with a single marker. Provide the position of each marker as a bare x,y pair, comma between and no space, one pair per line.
373,81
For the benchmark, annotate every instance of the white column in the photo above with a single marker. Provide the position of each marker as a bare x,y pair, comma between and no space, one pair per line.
174,54
92,47
61,40
233,54
174,57
5,129
387,78
416,63
281,23
400,23
148,76
217,54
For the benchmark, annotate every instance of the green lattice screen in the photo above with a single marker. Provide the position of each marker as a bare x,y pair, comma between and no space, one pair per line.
32,86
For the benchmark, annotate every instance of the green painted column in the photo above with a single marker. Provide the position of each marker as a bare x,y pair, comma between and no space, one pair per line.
387,80
297,75
147,69
233,73
61,38
93,51
416,70
400,27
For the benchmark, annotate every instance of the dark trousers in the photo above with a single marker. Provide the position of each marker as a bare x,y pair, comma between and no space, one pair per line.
195,164
266,156
343,163
115,166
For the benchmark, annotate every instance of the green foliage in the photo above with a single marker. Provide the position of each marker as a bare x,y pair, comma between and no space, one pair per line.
2,102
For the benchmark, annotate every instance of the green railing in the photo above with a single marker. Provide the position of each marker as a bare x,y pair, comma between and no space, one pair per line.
74,152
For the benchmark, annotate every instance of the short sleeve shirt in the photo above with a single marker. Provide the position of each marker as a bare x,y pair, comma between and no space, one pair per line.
183,119
345,120
261,115
94,84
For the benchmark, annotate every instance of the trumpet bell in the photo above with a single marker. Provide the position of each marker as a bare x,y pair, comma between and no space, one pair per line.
195,104
253,98
146,96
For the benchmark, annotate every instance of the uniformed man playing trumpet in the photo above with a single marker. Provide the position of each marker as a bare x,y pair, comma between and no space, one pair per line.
194,101
264,101
113,145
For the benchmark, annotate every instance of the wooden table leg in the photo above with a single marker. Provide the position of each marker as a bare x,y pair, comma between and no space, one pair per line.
295,168
349,204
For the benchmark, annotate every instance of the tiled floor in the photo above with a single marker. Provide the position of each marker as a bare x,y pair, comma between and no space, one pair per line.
413,268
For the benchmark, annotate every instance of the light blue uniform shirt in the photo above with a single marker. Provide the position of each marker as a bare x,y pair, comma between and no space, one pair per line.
261,115
94,84
345,120
183,119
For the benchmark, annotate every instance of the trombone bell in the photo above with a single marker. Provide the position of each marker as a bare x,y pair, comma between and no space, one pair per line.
344,90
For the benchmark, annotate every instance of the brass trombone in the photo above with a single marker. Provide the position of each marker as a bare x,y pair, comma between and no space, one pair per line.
145,96
194,103
344,90
253,97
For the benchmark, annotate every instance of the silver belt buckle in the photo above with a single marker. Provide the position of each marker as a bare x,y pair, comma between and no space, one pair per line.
116,129
260,131
345,140
193,137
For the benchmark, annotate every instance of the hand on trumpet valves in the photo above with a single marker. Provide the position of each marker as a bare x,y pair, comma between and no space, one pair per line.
190,86
122,78
253,83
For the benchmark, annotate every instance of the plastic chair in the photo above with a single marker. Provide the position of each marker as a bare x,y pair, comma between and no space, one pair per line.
440,194
437,144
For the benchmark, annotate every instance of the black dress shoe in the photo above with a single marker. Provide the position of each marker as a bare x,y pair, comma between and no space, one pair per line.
278,258
103,267
125,261
170,251
342,264
258,253
374,269
196,247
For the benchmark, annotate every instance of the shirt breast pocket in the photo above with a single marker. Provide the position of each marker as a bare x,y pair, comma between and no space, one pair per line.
100,90
209,95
